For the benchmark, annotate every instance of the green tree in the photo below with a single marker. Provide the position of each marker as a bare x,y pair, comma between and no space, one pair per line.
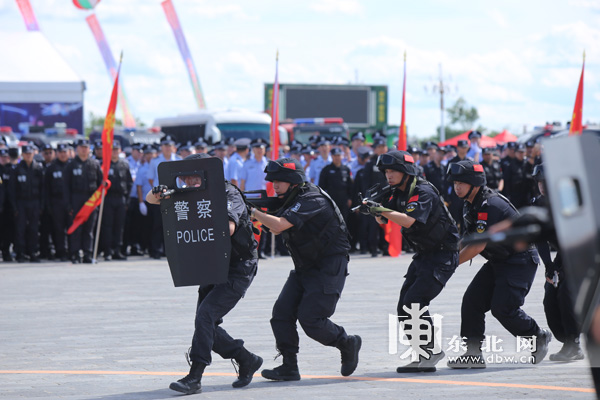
462,115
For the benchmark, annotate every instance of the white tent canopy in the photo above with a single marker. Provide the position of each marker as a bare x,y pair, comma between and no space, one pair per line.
33,71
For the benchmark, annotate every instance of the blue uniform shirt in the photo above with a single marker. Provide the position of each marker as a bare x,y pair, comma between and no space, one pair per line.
253,174
153,174
316,166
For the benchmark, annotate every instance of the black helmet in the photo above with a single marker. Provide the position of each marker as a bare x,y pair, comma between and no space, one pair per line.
285,170
538,173
397,160
468,172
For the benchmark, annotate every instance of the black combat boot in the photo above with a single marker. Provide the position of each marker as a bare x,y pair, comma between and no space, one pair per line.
249,363
190,384
423,364
571,351
471,359
349,349
288,371
117,255
543,340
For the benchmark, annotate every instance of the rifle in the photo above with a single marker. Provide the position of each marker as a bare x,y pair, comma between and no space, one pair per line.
375,194
260,199
370,204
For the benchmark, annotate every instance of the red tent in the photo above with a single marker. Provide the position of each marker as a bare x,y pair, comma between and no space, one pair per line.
486,141
504,137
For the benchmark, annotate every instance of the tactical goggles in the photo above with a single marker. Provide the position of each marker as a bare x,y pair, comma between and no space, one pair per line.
388,159
274,166
459,169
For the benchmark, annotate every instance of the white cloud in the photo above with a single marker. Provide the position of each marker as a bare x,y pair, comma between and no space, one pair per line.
351,7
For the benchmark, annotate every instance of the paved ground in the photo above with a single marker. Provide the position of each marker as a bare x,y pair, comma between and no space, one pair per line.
119,330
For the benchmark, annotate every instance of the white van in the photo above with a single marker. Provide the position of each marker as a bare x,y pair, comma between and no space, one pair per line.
215,125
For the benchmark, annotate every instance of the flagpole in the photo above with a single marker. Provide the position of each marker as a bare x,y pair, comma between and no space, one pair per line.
94,259
274,122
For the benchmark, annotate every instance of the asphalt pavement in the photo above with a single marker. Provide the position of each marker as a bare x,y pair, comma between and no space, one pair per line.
119,330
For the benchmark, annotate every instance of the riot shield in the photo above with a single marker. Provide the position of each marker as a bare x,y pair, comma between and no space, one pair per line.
195,221
571,167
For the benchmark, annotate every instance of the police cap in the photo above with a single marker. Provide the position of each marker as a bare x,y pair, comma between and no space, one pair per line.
365,152
82,142
462,143
431,145
137,146
13,152
167,141
296,149
259,142
520,147
242,144
116,144
468,172
150,149
379,142
307,150
200,144
397,160
47,146
358,136
98,144
488,150
62,147
285,170
324,142
26,149
220,145
336,151
511,145
473,134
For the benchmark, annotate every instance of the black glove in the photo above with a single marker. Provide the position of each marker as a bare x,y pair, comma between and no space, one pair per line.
159,189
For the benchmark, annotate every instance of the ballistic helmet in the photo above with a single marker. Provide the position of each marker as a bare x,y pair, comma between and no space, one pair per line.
468,172
397,160
285,170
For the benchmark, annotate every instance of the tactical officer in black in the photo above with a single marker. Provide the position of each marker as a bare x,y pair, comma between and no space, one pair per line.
215,301
503,281
520,187
82,177
47,248
456,203
492,169
369,176
506,164
558,304
427,224
55,199
434,170
336,180
7,218
26,195
315,233
115,206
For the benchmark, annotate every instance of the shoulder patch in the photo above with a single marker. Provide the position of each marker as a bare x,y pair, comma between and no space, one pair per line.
296,207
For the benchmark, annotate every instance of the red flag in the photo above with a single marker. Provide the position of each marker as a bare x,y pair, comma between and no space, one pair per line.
90,205
274,122
107,143
402,133
576,124
393,234
28,15
108,129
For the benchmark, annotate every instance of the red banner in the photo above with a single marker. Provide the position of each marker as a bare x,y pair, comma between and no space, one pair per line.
28,15
393,234
576,122
402,132
274,122
108,129
107,143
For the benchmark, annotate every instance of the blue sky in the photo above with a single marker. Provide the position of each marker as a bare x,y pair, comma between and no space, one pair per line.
518,62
